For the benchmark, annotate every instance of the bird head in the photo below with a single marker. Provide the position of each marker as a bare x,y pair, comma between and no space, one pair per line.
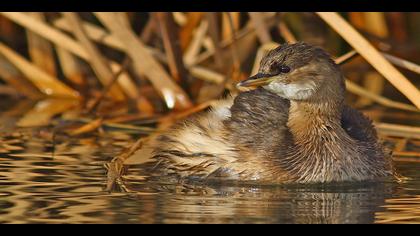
296,72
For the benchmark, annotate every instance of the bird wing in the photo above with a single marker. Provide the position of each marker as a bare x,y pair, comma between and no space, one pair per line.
357,125
258,120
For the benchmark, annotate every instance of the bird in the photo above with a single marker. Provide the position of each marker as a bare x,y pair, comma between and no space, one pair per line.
291,126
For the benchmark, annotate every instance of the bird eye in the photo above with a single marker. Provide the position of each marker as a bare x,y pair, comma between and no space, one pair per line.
284,69
278,69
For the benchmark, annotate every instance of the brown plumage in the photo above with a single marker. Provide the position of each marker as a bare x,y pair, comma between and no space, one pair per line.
294,128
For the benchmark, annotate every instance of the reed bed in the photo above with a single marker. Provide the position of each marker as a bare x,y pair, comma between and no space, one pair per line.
143,71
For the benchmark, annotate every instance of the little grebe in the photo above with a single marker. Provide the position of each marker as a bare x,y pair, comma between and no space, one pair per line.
294,128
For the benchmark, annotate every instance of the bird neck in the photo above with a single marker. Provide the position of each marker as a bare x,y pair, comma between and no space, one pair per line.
320,115
315,123
307,118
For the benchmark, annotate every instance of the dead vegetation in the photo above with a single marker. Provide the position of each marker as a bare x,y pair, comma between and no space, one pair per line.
141,71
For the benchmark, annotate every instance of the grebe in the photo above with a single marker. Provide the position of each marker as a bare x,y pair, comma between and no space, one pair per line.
294,128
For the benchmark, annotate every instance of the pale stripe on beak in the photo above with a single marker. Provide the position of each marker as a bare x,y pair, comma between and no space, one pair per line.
259,79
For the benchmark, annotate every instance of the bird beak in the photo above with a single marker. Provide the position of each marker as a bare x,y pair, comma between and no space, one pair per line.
256,80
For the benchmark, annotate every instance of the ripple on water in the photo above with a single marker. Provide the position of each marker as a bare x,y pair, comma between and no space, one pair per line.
67,186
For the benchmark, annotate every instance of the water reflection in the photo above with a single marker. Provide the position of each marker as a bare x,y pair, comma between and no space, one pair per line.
266,204
65,184
38,188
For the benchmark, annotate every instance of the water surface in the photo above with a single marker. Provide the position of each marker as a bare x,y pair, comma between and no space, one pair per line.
65,184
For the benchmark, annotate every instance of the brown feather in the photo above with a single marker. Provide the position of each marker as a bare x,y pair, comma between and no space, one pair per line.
261,136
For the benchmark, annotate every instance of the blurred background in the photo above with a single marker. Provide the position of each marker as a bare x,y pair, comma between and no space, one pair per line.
81,72
78,89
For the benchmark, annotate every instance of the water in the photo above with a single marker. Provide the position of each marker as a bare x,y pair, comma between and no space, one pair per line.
39,184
